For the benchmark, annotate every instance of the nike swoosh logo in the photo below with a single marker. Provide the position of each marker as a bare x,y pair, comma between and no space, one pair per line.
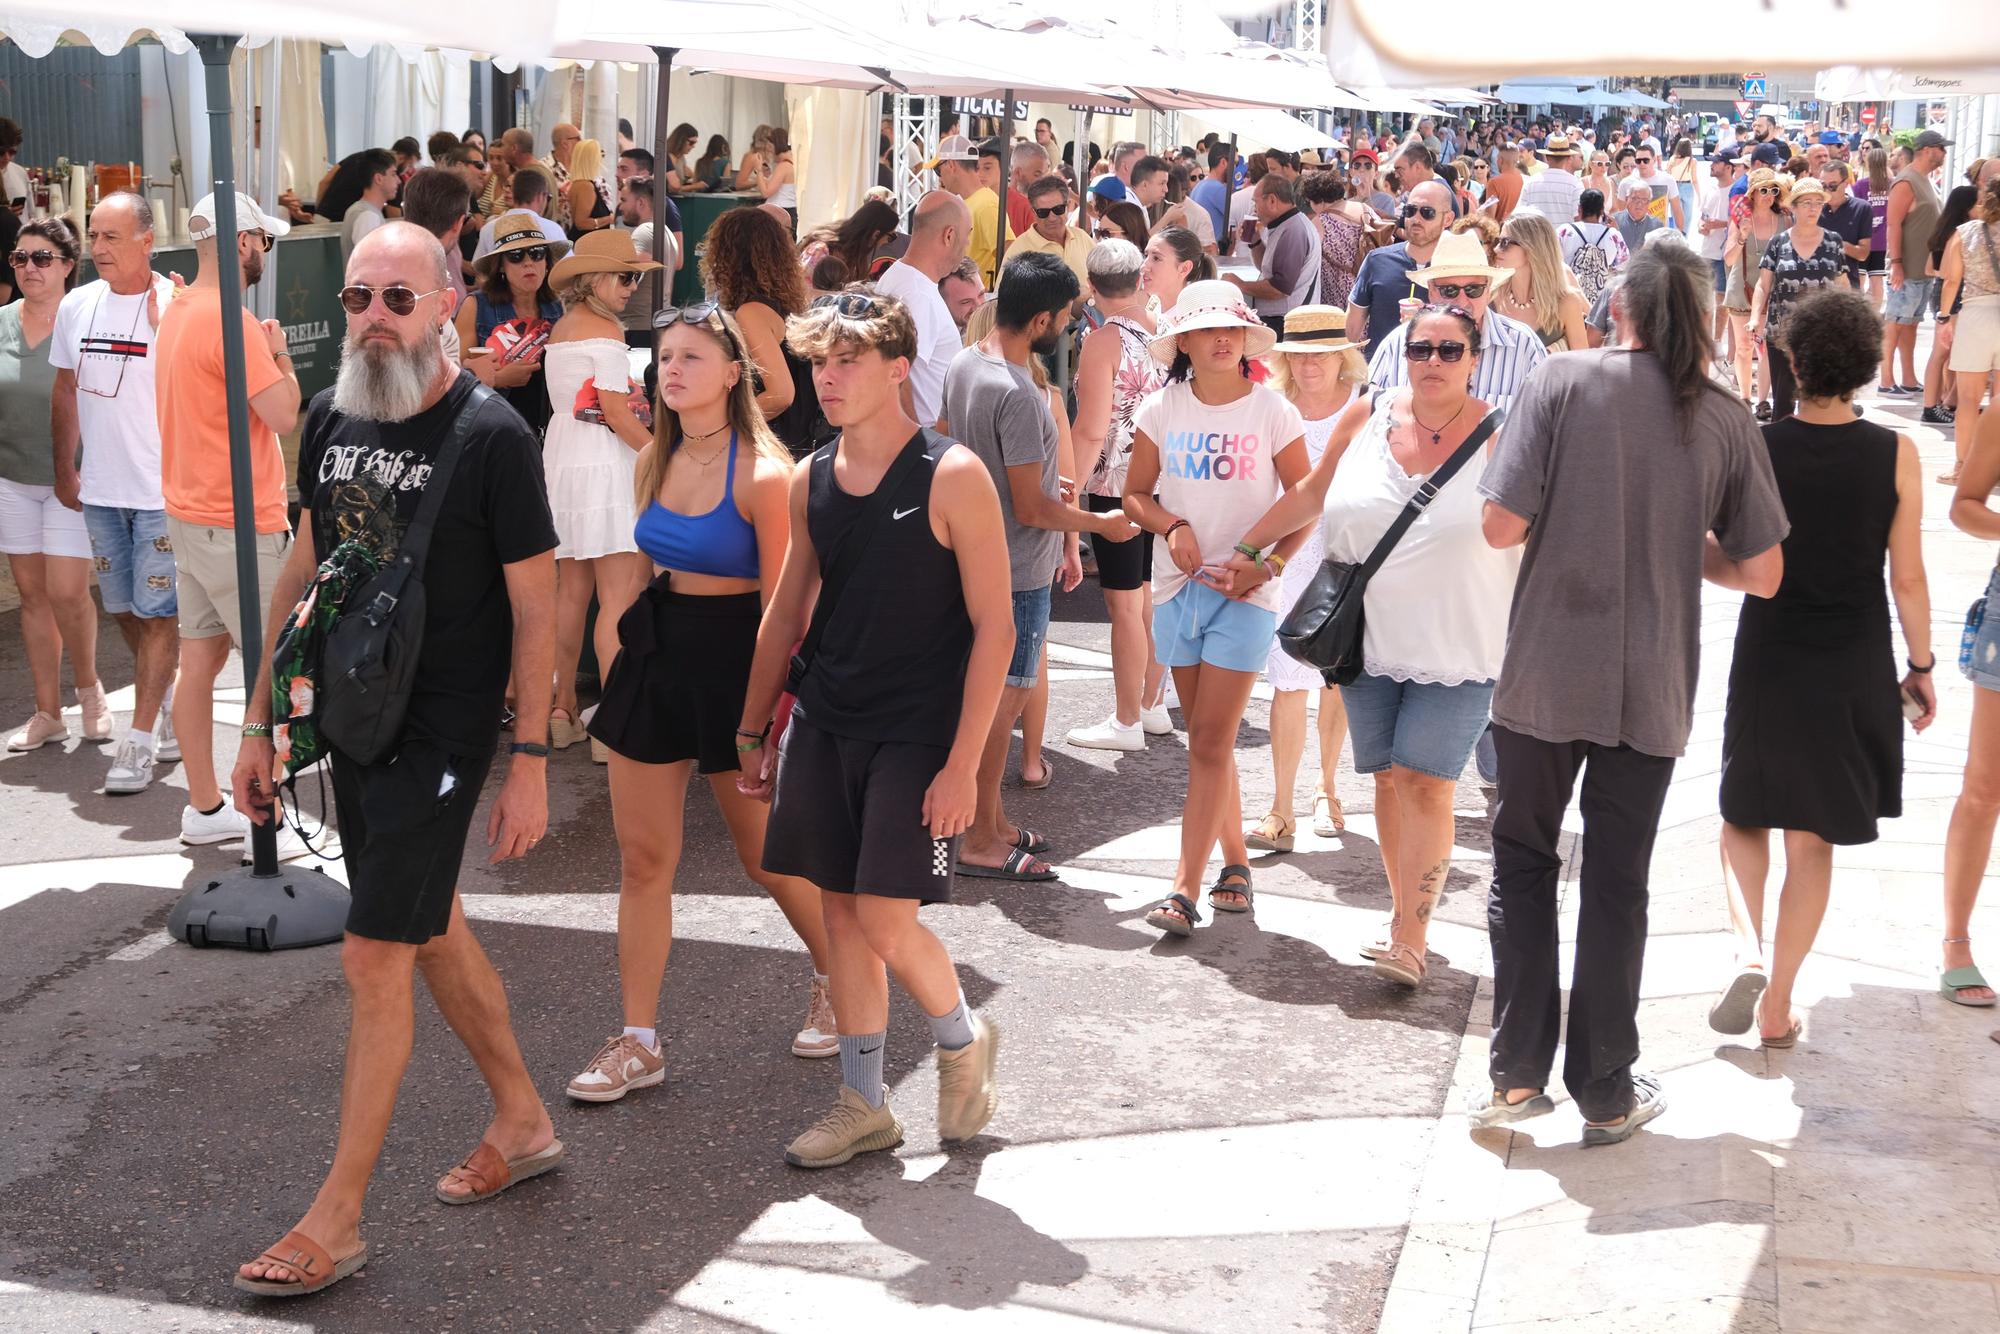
870,1051
904,514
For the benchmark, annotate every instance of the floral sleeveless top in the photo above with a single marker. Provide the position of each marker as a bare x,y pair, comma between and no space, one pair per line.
1137,376
1339,258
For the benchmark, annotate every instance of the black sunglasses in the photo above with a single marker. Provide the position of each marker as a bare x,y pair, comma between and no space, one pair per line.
399,300
41,259
1424,211
1447,351
534,254
1451,291
854,305
699,313
1051,210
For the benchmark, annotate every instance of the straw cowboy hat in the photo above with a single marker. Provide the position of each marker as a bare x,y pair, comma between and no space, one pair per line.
1311,329
604,251
1558,145
1460,255
1211,304
516,231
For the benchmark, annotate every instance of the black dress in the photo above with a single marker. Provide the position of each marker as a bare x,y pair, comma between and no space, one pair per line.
1813,735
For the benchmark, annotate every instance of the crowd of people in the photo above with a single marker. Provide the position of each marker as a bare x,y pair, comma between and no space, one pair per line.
1512,404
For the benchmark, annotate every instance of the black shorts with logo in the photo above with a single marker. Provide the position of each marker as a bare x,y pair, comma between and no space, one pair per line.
403,826
848,816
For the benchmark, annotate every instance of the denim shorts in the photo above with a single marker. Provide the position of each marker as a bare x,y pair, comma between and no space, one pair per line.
1031,630
1979,653
1905,304
1720,268
1199,625
1426,728
134,560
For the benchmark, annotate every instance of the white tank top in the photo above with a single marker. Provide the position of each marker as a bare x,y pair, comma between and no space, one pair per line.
1436,612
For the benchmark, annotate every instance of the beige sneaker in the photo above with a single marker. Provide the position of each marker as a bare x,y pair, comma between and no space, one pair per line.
821,1035
966,1096
851,1127
37,732
622,1064
96,711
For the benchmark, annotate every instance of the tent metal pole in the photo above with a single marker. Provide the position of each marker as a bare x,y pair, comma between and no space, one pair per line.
1006,166
662,127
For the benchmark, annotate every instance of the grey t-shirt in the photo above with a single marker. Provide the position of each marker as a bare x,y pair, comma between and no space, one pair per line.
994,409
1604,641
361,218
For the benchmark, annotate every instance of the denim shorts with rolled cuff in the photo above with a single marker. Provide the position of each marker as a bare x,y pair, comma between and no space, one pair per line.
1031,630
1905,304
133,556
1416,725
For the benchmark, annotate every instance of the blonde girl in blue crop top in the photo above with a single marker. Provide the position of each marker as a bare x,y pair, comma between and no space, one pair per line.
713,494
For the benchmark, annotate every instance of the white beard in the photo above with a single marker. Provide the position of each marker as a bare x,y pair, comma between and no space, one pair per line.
385,383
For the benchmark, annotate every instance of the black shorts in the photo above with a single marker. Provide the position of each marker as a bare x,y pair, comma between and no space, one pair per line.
403,836
848,816
1877,262
675,691
1120,565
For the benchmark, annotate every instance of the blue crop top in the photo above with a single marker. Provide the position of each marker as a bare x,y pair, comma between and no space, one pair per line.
720,542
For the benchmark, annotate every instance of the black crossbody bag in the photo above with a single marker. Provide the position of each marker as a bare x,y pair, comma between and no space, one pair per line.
841,563
1324,627
370,662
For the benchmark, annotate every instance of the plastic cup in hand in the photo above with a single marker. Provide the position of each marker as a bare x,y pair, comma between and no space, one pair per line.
1407,308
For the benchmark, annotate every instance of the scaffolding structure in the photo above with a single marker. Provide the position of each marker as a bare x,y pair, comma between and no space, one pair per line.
913,138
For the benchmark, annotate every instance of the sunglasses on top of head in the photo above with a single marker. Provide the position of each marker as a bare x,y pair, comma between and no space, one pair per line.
700,313
853,305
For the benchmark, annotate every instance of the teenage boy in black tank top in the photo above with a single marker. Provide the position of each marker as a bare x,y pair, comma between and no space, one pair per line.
879,763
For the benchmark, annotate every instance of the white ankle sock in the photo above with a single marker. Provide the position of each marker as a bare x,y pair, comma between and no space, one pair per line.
144,740
647,1037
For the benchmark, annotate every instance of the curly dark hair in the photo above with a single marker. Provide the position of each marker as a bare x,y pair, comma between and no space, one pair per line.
1834,338
748,257
1321,187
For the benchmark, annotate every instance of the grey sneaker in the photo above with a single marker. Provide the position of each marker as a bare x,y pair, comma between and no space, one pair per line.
966,1096
851,1127
166,746
1648,1101
131,769
1491,1108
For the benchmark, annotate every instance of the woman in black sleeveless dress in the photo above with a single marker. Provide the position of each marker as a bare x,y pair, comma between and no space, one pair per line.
1812,742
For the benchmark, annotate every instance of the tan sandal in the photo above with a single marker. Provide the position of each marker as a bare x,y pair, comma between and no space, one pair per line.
1329,820
312,1267
1274,833
1381,947
487,1173
1402,965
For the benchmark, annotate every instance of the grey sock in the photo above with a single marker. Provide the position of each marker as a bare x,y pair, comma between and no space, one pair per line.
954,1028
861,1065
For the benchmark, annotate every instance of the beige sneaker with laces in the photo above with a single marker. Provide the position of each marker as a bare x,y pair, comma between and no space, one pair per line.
851,1127
96,711
622,1064
966,1096
37,732
821,1035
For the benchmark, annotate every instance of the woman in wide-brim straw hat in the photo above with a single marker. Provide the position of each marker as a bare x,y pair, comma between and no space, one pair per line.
502,328
1211,452
1315,366
590,457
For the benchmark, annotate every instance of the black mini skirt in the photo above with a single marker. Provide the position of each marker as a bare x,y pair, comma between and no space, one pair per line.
676,689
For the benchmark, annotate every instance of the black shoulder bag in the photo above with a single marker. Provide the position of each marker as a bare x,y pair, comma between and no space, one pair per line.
1324,627
372,650
842,561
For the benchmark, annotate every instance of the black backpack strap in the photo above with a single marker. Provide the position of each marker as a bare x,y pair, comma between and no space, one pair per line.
843,560
415,546
1428,490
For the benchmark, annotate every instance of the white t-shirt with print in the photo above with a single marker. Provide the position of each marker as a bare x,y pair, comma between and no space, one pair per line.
938,338
107,341
1218,471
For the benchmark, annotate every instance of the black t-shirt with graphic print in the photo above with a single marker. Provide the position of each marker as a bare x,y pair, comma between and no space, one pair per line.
496,513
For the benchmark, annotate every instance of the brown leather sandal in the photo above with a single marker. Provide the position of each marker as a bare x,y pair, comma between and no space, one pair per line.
487,1173
1402,965
311,1266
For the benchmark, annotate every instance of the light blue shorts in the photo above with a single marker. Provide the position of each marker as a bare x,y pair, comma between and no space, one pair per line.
134,559
1905,304
1430,729
1200,625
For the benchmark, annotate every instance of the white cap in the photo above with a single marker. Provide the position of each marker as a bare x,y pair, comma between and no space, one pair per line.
249,218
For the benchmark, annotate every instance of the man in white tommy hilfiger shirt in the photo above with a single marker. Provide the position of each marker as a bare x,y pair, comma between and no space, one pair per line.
1460,276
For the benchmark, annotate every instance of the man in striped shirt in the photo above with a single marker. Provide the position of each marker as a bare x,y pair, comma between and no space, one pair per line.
1508,349
1554,192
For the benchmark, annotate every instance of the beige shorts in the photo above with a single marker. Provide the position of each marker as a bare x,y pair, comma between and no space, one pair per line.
1975,343
205,561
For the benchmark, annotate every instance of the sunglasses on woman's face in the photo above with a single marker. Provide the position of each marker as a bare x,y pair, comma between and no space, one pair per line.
1446,351
399,300
627,279
534,254
1769,190
1424,211
41,259
1453,291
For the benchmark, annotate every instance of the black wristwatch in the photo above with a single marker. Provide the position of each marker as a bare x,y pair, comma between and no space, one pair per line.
529,748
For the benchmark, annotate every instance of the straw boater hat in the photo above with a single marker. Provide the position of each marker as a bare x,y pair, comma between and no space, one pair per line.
1211,304
1459,255
1803,186
1310,329
516,231
1558,146
602,251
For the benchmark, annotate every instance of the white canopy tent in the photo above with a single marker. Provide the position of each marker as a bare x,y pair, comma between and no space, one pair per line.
1255,127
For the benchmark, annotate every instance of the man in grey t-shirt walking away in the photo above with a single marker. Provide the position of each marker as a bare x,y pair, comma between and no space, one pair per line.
993,407
1631,477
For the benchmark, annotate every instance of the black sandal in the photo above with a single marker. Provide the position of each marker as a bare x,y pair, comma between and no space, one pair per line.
1222,886
1176,915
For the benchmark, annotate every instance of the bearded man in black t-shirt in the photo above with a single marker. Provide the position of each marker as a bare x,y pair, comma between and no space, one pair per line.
366,456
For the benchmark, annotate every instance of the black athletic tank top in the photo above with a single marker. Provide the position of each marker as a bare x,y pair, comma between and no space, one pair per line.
891,665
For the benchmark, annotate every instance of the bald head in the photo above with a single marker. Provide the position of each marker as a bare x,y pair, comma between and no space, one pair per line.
1433,192
940,230
937,210
563,140
399,252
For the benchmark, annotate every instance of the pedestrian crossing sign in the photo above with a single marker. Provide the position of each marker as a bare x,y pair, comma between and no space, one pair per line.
1755,88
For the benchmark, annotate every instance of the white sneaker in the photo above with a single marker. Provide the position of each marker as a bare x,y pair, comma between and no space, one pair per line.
220,826
166,746
1109,735
131,769
1157,721
291,847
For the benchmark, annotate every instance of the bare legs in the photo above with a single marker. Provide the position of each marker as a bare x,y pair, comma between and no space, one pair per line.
56,614
194,716
1288,744
1135,677
1413,819
1968,841
154,641
1213,700
870,937
1971,393
615,581
1802,899
1035,724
